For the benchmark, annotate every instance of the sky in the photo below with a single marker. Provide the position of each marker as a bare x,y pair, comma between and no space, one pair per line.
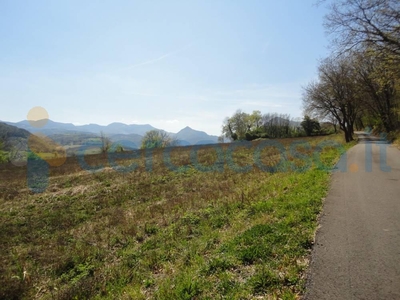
170,63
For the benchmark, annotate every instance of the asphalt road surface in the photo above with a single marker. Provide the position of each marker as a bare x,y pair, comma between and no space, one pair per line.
357,249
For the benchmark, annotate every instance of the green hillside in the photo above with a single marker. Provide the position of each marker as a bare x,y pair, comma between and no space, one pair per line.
16,142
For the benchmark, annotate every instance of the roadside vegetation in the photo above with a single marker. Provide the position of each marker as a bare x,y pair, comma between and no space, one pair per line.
156,233
238,223
358,85
394,137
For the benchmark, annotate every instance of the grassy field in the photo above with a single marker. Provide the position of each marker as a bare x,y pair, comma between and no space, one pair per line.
195,232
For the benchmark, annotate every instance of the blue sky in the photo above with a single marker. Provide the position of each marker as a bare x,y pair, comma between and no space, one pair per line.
170,64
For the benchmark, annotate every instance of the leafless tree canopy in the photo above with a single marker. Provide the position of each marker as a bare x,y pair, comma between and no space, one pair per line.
335,94
377,87
355,24
359,83
105,143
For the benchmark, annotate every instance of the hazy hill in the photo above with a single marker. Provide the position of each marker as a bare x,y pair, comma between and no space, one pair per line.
120,128
195,137
68,134
18,140
12,136
132,141
52,127
71,138
8,131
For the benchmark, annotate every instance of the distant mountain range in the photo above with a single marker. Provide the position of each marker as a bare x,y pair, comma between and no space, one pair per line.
70,134
52,127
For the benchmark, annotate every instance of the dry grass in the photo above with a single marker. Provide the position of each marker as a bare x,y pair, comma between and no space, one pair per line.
396,138
162,234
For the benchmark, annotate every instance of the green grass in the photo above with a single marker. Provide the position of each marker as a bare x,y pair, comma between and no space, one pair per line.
163,234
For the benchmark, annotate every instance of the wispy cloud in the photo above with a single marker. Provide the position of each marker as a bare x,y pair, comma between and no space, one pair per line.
154,60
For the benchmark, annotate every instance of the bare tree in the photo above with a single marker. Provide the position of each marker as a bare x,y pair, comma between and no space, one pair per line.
335,94
276,125
355,24
331,119
378,87
105,143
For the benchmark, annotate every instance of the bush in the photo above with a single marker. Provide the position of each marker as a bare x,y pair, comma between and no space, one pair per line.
33,156
256,134
3,154
394,136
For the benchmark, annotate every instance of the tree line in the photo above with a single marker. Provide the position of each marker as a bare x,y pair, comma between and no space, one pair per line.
244,126
358,85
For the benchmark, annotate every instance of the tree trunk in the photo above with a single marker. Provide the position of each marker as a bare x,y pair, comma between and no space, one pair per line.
347,132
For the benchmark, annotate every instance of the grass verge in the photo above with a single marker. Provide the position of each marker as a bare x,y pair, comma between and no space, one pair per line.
231,233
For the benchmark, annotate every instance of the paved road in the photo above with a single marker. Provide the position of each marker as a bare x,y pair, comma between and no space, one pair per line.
357,249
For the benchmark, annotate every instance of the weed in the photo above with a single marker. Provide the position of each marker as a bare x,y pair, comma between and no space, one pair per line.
211,232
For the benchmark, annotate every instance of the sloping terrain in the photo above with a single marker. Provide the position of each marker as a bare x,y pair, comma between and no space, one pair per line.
225,222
